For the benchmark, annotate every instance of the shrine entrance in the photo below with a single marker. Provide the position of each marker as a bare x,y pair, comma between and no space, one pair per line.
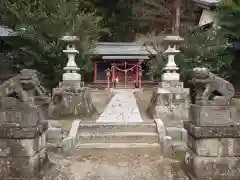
127,74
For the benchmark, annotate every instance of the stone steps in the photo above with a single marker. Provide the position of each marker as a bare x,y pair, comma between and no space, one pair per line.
117,145
120,137
115,149
123,87
113,138
93,127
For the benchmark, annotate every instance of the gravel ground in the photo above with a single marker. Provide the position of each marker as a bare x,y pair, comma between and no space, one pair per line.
114,167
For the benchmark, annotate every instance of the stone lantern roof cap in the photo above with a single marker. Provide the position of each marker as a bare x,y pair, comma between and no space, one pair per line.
171,51
173,40
69,38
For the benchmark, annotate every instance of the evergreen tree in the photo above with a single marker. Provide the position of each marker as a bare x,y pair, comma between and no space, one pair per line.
228,19
39,24
205,49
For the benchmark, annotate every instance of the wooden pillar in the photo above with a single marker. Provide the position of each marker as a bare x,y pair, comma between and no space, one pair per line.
95,71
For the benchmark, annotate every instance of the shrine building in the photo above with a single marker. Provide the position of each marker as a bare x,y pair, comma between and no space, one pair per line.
125,63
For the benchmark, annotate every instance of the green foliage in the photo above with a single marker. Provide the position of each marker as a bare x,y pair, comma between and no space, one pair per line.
205,49
39,25
228,18
118,17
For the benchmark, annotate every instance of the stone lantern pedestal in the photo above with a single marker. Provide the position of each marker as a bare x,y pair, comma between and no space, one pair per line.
71,98
170,100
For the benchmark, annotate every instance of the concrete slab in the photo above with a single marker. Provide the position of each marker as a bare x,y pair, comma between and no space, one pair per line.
121,109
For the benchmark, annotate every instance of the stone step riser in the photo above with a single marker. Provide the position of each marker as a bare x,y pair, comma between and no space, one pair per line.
118,139
116,128
138,151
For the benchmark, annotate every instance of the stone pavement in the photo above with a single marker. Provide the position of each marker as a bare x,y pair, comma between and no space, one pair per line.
122,108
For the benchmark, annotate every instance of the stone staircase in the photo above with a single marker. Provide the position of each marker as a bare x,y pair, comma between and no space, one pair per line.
112,137
122,86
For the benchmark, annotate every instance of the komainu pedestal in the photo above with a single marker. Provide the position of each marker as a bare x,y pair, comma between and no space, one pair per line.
213,133
22,139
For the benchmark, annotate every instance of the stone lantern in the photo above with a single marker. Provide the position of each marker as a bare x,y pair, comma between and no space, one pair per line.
71,77
170,99
71,98
171,67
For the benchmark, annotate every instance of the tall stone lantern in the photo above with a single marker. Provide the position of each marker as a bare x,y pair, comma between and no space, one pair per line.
170,99
171,67
71,99
71,77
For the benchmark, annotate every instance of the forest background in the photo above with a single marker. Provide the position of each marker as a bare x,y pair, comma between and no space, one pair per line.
39,24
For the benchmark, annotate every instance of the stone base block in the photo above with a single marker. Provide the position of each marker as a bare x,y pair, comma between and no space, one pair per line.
212,168
169,106
71,104
22,166
211,115
212,132
168,84
215,147
22,147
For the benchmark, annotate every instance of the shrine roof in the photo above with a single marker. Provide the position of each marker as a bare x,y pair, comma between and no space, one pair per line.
119,48
207,4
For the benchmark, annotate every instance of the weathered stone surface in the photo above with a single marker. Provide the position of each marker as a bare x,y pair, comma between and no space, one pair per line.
121,109
212,132
24,147
22,166
213,168
202,115
20,114
213,83
169,105
70,102
22,128
54,133
215,147
15,132
169,84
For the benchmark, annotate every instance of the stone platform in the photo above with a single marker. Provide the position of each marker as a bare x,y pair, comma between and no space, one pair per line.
169,102
121,109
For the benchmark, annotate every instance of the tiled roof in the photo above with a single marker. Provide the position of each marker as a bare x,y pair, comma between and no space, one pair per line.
119,48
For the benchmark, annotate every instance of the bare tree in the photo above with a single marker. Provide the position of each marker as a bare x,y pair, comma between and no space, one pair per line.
165,16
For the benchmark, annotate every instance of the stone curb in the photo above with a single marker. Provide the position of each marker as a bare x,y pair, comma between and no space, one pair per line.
165,141
69,142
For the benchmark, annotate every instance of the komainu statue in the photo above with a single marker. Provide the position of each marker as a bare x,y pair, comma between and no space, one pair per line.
22,127
209,84
26,86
